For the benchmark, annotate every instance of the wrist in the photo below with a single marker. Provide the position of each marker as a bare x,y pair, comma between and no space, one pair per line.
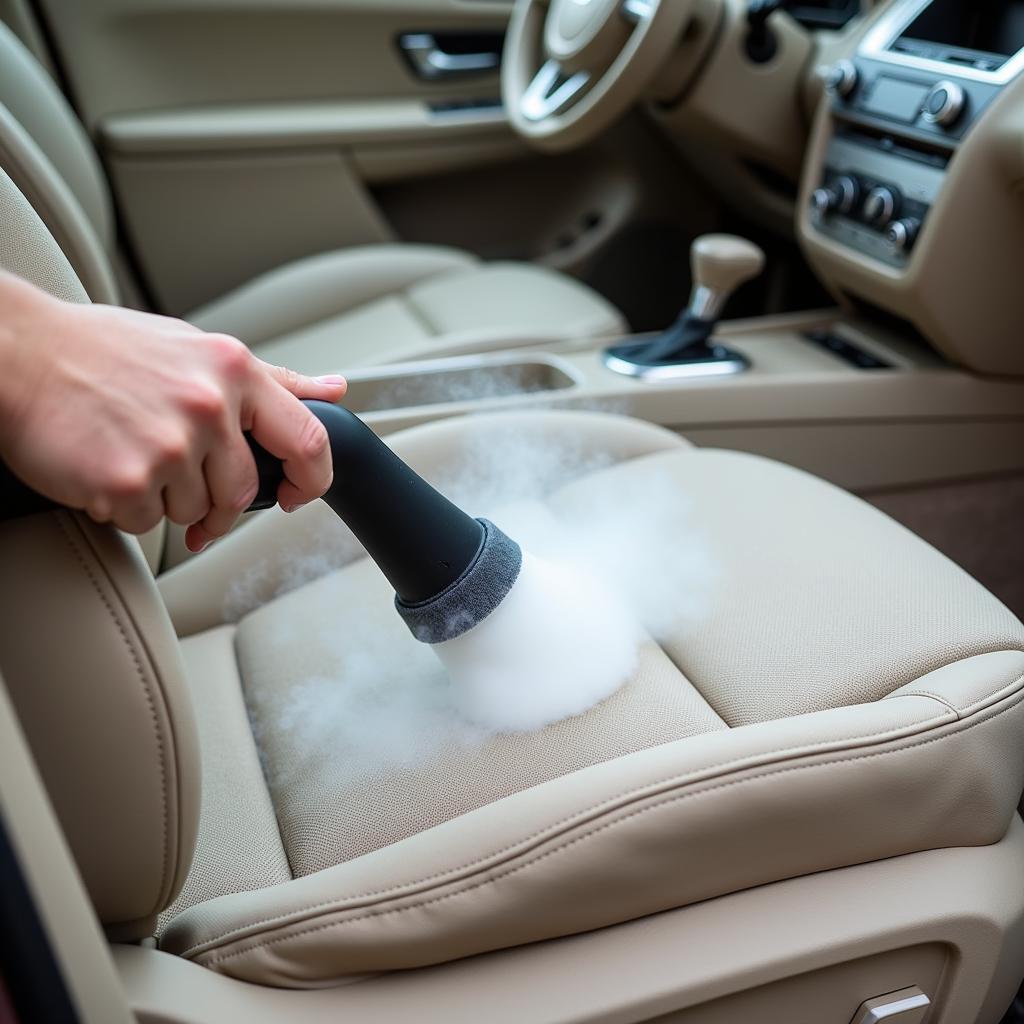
26,346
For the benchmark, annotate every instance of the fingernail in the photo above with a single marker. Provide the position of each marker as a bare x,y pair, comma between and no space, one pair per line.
332,379
290,508
202,547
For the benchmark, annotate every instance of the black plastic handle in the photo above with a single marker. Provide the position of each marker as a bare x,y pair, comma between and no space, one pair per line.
419,539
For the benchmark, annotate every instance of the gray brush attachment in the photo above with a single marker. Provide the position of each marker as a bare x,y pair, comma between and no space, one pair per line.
472,597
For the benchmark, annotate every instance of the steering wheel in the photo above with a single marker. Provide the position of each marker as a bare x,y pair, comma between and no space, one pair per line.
571,67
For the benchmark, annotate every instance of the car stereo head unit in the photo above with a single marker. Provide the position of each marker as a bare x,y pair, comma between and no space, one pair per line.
982,40
922,77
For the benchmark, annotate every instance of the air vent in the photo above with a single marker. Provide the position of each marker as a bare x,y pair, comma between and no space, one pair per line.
824,13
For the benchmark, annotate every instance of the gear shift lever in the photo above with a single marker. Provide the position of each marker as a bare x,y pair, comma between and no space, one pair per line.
720,264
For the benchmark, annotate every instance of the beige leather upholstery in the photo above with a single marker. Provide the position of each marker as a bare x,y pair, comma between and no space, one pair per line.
372,304
808,721
375,304
658,798
46,151
95,674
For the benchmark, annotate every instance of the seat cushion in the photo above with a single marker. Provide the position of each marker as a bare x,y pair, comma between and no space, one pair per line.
377,304
818,688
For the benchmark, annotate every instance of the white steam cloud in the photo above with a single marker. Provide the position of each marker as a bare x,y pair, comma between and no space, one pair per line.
606,566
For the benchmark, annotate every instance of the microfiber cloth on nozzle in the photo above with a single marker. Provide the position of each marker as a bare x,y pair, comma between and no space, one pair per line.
473,596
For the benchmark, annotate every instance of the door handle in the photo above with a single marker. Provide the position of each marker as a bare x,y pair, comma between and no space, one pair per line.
430,60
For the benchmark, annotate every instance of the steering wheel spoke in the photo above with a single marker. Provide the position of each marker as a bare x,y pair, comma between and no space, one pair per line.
596,58
551,91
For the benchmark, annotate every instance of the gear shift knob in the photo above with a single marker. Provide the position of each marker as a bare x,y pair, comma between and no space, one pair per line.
719,265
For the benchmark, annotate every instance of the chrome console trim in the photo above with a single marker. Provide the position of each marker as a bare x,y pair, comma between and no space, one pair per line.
735,363
892,23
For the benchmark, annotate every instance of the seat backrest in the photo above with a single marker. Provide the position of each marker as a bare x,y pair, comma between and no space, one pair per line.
47,153
94,670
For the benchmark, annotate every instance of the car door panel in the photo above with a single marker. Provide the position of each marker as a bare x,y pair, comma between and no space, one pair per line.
236,132
135,55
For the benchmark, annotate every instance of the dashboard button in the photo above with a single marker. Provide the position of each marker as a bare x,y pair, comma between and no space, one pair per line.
944,104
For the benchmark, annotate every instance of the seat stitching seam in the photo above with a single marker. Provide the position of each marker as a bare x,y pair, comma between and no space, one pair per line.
609,803
140,672
924,693
334,314
420,315
606,804
275,940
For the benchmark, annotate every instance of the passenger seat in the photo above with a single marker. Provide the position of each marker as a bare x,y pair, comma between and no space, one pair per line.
328,312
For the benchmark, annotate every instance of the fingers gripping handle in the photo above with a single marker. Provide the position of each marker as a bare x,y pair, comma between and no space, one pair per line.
420,540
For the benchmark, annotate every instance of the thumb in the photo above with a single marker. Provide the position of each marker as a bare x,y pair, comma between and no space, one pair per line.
329,388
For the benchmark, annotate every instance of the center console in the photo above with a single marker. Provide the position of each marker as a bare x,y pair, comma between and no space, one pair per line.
918,83
912,203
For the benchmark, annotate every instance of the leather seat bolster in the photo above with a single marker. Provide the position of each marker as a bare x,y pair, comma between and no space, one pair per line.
27,247
95,674
34,99
46,190
323,286
660,828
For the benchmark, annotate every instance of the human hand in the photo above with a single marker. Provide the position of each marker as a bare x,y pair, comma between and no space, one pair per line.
131,417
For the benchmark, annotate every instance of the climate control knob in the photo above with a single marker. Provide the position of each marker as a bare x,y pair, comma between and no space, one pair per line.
841,196
944,104
881,205
903,233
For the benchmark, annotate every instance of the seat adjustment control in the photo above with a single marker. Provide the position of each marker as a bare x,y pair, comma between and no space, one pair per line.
908,1006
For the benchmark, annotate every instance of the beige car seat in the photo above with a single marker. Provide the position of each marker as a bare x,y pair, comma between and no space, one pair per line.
329,312
847,697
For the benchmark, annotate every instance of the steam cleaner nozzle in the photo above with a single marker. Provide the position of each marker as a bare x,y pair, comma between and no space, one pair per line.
449,570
